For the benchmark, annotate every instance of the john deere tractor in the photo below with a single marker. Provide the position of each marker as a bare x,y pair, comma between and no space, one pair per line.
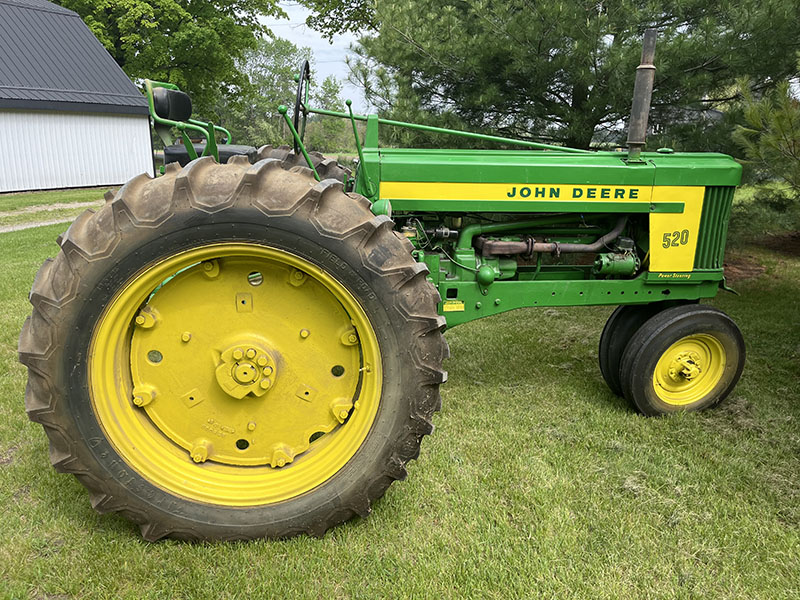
251,344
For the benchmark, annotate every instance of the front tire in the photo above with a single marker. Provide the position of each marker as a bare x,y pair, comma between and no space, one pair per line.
683,359
618,330
138,352
622,324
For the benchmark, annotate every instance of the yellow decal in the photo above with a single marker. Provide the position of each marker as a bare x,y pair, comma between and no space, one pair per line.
673,236
535,192
453,306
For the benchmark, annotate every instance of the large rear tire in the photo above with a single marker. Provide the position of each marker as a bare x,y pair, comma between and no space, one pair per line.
233,351
327,168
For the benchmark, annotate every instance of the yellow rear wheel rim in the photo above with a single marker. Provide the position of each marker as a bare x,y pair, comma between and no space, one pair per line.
689,370
235,374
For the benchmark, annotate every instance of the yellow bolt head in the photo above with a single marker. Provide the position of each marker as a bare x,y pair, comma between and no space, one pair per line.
207,266
262,361
250,353
142,396
267,371
304,333
186,336
238,355
251,426
200,452
343,414
265,383
352,338
147,318
298,275
281,456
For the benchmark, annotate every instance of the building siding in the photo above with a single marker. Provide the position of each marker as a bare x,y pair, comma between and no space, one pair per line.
49,150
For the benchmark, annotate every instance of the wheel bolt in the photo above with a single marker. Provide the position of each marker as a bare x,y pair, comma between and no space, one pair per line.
352,338
343,414
186,336
250,353
238,355
265,383
200,452
143,396
304,333
262,361
267,371
251,426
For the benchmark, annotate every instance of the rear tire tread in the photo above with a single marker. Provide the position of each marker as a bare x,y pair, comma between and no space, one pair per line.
144,203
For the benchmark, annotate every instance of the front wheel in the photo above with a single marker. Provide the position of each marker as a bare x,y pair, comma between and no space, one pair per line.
684,358
618,330
233,351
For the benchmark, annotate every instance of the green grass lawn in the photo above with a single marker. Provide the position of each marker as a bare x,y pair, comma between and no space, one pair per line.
11,202
538,482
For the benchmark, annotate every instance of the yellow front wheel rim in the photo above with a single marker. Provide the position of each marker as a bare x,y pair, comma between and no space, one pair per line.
235,374
689,370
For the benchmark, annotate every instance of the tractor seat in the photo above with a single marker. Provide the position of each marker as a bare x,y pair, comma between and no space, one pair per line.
177,153
177,106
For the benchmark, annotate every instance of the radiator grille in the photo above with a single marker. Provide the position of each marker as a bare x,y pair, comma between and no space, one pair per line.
714,227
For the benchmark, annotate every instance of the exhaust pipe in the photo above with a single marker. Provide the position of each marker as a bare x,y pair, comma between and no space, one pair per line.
642,94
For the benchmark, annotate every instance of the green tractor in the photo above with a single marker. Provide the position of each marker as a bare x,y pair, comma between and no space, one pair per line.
251,344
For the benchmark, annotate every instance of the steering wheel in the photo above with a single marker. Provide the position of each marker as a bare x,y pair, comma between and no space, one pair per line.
300,102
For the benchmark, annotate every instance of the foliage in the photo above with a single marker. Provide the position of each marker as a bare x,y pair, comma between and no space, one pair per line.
761,212
333,17
771,136
252,116
565,70
329,134
195,44
701,130
269,70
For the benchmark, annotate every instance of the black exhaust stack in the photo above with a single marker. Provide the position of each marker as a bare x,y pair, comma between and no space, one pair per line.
642,94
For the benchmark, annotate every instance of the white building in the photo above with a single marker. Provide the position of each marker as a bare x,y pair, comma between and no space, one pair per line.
69,116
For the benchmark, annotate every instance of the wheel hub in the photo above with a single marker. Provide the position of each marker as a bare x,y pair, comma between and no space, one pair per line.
245,368
686,366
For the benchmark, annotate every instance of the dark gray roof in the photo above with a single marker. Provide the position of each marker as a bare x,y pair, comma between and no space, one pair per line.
49,60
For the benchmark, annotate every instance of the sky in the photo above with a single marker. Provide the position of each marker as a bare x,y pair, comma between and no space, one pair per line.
329,57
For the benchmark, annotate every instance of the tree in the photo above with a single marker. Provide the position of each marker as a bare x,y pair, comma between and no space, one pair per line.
252,115
328,134
195,44
771,136
564,69
332,17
